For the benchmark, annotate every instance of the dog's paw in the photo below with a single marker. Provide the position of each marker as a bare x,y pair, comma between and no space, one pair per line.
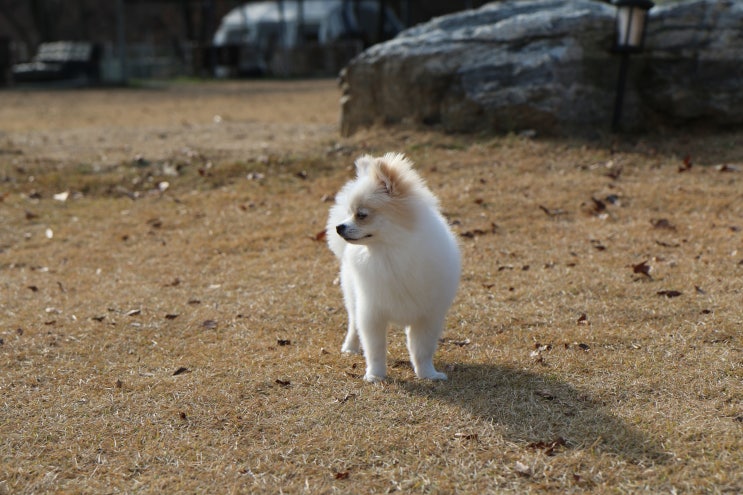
434,375
374,378
350,349
351,344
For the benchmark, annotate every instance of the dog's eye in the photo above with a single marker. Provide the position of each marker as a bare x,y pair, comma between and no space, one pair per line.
361,214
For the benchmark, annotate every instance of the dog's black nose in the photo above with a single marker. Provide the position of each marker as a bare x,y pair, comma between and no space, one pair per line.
341,229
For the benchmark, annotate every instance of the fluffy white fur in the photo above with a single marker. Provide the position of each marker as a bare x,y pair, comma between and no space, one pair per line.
400,262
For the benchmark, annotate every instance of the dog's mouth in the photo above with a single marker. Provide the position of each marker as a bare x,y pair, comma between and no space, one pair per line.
356,239
347,233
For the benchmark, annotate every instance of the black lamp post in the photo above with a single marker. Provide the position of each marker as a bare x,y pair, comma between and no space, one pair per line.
631,23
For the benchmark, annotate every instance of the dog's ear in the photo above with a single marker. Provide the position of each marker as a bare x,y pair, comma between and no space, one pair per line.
391,178
363,163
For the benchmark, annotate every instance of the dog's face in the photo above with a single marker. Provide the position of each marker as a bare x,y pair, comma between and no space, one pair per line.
378,202
360,227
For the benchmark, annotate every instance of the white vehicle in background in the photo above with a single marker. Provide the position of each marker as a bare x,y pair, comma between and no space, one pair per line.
251,37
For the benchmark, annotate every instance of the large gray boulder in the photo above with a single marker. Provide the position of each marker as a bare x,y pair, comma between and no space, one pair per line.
693,66
547,65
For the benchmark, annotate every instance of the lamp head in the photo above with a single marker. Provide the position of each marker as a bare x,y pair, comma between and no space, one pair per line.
631,24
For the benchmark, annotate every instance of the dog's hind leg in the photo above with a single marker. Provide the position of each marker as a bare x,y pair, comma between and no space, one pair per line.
351,343
423,338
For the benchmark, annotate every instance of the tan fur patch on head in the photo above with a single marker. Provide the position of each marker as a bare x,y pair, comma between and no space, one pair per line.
393,179
398,180
395,174
399,190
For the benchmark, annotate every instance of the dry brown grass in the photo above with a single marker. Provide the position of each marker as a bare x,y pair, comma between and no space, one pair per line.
187,341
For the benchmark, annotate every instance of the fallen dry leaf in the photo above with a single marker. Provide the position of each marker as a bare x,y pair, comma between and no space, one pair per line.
155,223
552,212
662,223
542,347
597,206
522,469
597,245
401,363
615,171
538,353
727,168
667,244
669,293
344,399
476,232
545,394
549,448
642,268
685,164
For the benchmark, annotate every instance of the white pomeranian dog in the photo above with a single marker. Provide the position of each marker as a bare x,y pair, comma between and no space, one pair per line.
400,262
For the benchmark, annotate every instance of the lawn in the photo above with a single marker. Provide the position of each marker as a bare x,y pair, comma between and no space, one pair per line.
171,320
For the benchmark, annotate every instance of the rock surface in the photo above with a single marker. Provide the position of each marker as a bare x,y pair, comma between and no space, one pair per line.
693,68
547,65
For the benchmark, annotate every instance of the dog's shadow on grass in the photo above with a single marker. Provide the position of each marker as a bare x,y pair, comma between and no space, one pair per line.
536,410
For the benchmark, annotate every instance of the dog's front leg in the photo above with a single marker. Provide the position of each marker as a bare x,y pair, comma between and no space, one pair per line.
373,332
351,344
